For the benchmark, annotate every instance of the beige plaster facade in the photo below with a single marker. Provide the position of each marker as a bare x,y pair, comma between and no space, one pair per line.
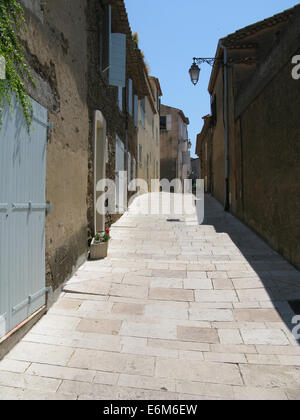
148,150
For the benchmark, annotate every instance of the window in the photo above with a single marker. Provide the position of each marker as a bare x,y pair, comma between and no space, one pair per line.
166,123
140,154
129,167
157,136
136,109
148,168
214,111
163,123
130,97
143,107
117,69
134,169
120,98
152,126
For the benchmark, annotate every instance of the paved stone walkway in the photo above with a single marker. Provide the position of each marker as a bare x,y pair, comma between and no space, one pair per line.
177,311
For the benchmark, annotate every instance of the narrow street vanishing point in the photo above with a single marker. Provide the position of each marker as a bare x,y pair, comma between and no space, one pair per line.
176,311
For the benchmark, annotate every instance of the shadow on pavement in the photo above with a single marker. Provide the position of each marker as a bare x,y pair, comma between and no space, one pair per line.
281,280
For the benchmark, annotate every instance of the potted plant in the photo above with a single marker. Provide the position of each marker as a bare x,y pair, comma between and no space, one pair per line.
99,245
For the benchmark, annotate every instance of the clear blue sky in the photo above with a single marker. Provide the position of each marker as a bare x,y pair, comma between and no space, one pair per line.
172,32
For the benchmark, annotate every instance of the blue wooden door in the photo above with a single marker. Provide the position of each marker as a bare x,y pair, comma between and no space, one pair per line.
22,216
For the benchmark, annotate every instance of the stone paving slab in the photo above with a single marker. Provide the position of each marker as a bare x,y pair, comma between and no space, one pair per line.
177,311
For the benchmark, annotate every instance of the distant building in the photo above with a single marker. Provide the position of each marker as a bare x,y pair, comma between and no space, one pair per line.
175,159
148,151
204,151
195,168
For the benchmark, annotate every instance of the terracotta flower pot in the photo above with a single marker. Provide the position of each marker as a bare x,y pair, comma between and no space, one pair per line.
98,250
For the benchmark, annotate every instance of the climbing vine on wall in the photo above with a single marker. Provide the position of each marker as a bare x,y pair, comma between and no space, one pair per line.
17,71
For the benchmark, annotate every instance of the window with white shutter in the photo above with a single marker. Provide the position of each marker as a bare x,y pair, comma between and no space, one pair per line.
169,122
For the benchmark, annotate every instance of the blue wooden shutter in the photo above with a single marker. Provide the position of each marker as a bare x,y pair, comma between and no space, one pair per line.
22,215
120,98
117,71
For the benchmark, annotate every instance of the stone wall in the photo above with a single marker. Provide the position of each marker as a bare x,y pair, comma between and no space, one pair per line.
57,56
263,131
63,48
270,138
169,145
218,143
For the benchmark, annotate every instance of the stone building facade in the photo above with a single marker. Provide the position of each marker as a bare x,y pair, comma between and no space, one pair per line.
175,160
204,151
89,75
263,130
195,168
88,112
148,150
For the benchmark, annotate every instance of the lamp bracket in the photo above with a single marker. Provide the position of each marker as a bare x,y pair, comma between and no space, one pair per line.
201,60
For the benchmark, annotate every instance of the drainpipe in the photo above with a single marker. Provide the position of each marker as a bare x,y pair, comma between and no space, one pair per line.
226,105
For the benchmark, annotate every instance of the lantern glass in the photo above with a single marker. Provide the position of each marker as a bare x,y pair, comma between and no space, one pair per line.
194,73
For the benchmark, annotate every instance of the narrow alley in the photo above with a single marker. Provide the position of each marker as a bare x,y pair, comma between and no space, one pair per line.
176,311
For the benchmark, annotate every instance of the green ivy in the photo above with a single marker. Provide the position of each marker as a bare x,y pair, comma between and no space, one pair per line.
17,71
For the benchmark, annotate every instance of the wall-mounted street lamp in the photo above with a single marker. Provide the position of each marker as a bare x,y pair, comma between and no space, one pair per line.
195,73
195,69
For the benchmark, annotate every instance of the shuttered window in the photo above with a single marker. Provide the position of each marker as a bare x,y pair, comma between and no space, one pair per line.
134,169
142,110
120,98
136,104
169,122
163,123
152,126
129,167
117,70
130,97
140,155
214,111
166,122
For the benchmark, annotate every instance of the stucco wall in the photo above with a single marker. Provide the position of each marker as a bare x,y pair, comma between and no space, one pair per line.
57,55
270,136
169,146
218,144
104,98
63,48
147,139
